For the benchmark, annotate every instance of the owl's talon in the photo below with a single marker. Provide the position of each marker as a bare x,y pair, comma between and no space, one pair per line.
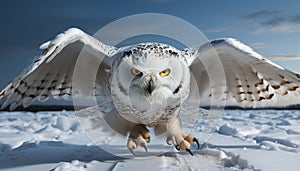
139,136
191,139
131,151
144,146
185,144
169,140
188,150
134,143
131,148
131,145
197,142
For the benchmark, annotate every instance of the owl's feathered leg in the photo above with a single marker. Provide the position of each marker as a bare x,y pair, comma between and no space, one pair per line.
139,136
180,140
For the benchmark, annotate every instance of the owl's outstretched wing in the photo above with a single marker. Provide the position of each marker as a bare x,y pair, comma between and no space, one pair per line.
230,69
52,71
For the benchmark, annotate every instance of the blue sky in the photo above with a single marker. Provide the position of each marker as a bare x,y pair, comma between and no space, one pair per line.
269,27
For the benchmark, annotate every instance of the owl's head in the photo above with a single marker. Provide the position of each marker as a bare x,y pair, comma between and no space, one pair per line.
151,72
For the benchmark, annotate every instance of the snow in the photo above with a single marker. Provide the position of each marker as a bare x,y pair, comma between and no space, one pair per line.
242,140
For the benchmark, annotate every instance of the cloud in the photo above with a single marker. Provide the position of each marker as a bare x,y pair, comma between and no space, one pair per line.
273,20
258,30
290,24
216,30
259,45
284,57
260,14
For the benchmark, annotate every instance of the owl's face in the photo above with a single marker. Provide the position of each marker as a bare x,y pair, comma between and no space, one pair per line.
149,75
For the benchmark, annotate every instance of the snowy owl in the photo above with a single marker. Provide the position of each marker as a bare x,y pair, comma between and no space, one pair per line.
149,82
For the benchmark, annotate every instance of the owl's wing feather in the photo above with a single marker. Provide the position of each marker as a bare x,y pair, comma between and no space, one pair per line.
230,69
51,72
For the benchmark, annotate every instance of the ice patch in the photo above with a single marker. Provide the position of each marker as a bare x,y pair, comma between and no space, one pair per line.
290,131
227,130
235,161
75,165
245,140
66,123
274,146
284,142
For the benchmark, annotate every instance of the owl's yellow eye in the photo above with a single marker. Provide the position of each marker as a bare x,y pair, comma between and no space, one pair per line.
136,72
165,72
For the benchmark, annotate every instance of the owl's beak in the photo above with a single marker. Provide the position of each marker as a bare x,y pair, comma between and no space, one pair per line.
150,86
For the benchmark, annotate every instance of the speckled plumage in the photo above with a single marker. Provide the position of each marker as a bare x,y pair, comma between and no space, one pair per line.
147,56
164,78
